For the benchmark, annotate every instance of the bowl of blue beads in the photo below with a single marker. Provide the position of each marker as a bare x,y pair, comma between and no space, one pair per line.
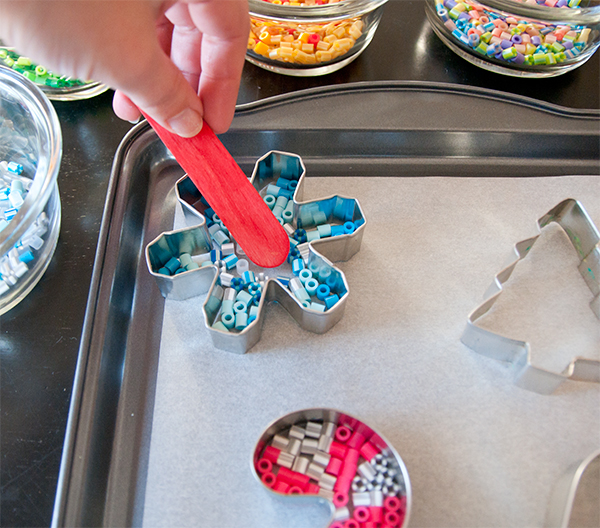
528,38
30,155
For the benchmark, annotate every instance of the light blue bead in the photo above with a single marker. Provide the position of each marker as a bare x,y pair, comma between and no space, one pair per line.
313,235
311,286
282,202
228,319
319,217
252,313
314,267
277,211
9,214
27,256
248,277
230,261
324,273
283,183
318,307
15,168
323,291
220,237
288,212
239,307
304,275
220,326
297,266
270,200
244,297
241,320
324,230
331,300
227,306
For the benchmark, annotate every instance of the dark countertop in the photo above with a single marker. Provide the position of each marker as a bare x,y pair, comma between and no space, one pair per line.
39,339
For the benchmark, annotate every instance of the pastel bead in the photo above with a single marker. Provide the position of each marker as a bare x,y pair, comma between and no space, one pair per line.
311,286
228,319
241,320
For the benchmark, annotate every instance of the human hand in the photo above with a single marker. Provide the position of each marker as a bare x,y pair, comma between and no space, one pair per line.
180,62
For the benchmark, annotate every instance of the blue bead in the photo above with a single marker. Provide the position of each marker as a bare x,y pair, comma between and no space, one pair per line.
173,265
215,255
323,291
284,280
252,314
244,297
331,300
337,230
15,168
349,228
249,277
311,286
324,230
297,266
304,275
270,200
318,307
164,271
237,283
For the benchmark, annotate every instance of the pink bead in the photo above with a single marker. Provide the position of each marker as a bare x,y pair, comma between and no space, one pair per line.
342,434
368,451
271,453
376,513
264,465
351,523
362,514
356,441
337,450
312,489
392,503
281,487
336,524
340,499
393,518
295,490
293,478
268,479
334,466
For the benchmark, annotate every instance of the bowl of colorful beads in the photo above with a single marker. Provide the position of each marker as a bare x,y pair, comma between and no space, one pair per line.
56,86
307,38
528,38
30,155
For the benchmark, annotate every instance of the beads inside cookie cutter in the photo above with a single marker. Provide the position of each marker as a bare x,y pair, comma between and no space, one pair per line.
203,257
584,236
328,456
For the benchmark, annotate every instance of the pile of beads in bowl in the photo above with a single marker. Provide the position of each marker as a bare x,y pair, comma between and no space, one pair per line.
298,43
339,463
492,34
13,191
36,72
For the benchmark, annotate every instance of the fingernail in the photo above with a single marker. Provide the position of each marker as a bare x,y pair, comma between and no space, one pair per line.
187,123
135,121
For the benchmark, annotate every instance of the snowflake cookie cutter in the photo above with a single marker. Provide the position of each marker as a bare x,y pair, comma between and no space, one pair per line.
584,236
310,288
326,456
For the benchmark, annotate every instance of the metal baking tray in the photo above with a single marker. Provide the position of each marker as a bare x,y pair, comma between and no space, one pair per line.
391,129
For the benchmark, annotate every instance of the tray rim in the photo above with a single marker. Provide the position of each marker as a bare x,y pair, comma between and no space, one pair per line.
66,480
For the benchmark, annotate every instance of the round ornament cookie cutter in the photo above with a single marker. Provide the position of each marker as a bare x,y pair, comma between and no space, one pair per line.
310,434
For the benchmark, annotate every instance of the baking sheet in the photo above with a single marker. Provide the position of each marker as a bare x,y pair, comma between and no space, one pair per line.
363,141
479,451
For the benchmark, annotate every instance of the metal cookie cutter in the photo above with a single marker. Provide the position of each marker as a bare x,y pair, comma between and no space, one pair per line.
563,497
321,231
323,455
584,236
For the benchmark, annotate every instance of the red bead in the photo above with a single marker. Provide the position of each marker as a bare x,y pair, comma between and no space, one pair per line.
342,433
376,513
362,514
293,478
295,490
392,503
268,479
368,451
340,498
356,441
334,466
337,450
281,487
351,523
392,517
312,488
264,465
272,454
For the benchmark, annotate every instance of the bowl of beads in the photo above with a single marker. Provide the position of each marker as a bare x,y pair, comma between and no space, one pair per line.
30,155
529,38
307,38
56,86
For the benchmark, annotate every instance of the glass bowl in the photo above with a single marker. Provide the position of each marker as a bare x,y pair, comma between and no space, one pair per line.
56,87
310,37
30,154
531,38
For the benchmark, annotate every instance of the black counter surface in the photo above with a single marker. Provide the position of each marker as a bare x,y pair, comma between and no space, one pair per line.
39,339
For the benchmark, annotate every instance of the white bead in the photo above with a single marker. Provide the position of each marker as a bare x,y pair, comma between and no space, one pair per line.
326,494
294,446
285,459
309,446
313,429
242,266
278,442
325,443
367,471
321,458
327,481
315,471
296,432
301,465
226,279
202,257
3,287
228,249
361,499
376,498
328,429
341,514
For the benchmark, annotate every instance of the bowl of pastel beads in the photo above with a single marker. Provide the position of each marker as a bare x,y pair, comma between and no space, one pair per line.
520,38
307,38
30,155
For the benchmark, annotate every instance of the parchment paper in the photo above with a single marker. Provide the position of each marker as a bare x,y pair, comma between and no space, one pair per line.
480,451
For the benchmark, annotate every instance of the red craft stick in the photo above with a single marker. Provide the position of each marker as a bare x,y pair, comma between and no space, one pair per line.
230,193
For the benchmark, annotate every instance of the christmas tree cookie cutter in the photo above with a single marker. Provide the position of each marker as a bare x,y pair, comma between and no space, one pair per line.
584,236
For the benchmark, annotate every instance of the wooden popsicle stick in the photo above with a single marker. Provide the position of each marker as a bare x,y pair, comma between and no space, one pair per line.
229,192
